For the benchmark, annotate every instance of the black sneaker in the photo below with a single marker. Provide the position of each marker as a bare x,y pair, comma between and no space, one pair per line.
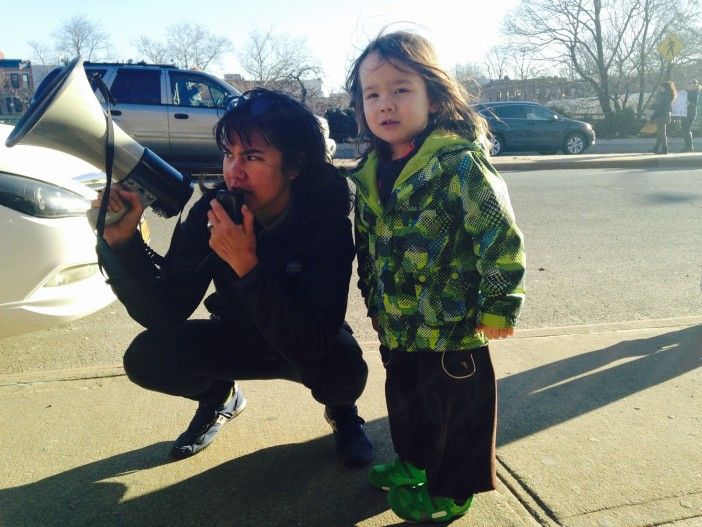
206,423
352,445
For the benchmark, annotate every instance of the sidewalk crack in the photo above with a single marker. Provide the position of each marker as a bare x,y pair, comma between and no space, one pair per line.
535,506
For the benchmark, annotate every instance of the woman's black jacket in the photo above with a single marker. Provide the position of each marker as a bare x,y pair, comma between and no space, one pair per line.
295,297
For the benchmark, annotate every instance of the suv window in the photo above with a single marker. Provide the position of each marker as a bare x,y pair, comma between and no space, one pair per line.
536,113
510,111
137,86
196,91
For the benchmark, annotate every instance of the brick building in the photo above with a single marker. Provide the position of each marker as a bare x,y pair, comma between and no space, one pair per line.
16,86
540,89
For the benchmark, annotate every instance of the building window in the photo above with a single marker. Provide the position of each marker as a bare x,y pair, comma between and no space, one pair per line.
25,81
14,79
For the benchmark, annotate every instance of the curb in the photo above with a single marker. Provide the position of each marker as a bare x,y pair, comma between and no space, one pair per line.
583,161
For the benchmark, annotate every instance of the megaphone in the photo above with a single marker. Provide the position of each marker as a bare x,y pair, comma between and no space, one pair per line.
65,115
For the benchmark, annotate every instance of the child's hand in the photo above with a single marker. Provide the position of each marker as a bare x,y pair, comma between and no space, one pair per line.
495,333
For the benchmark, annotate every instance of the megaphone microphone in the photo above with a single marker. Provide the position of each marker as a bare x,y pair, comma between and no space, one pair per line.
66,115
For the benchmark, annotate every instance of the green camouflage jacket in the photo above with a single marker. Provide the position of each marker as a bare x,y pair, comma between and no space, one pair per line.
444,253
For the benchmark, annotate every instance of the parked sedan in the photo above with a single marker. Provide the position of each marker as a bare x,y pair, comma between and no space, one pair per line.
519,126
48,268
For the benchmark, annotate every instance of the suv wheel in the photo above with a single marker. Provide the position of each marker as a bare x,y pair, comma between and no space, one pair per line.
574,144
496,145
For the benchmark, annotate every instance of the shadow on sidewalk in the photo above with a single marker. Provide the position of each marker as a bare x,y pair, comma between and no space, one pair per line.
289,484
551,394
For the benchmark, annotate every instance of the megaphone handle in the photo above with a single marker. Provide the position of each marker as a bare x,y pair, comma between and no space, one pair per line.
114,216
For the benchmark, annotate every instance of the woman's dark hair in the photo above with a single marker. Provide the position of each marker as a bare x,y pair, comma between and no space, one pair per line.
289,126
410,52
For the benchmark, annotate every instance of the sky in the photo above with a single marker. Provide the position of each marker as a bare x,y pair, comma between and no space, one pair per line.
335,31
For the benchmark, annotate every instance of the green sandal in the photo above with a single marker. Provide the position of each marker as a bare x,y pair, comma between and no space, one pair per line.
414,504
394,474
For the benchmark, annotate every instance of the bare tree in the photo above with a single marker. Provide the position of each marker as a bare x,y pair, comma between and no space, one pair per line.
41,52
607,44
194,46
279,61
470,71
470,75
152,50
80,36
187,45
521,63
495,62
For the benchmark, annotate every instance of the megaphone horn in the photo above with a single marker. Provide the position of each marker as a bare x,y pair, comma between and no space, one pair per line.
65,115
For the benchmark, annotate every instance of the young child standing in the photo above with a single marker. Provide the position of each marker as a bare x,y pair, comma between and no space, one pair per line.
441,264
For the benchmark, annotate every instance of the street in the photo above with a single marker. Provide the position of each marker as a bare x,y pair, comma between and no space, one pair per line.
609,245
602,246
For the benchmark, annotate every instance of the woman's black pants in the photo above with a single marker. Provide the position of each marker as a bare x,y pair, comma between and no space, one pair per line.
200,359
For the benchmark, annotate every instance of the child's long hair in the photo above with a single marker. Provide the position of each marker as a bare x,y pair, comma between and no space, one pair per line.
409,51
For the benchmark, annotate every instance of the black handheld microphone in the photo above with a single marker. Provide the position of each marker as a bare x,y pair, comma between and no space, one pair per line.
232,202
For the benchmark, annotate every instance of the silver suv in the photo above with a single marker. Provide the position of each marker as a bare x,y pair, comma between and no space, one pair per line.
171,111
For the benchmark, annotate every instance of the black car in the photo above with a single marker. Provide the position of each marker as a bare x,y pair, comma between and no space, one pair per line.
520,126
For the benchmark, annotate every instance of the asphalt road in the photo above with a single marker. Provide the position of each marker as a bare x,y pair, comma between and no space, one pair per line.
602,246
625,145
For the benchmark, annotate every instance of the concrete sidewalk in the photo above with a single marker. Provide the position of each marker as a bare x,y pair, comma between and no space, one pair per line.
599,425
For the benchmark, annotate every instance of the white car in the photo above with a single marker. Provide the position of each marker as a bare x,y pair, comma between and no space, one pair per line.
329,142
48,267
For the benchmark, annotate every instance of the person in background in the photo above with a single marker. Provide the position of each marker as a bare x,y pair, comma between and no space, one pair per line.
693,93
441,263
662,111
281,280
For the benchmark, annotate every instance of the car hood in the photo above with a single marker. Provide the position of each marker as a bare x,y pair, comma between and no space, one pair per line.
46,164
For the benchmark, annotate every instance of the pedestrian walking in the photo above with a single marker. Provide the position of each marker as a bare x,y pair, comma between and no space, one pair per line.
693,92
662,111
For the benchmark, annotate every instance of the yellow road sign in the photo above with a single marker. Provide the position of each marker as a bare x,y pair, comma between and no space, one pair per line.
670,46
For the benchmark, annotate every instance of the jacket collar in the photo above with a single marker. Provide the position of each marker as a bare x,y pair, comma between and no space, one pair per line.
365,177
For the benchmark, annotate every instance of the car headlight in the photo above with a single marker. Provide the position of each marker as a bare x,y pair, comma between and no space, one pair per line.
72,274
39,198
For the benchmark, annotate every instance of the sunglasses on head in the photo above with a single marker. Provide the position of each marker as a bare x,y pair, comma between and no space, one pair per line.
256,103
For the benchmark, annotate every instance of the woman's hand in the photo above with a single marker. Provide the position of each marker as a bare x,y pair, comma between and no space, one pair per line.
123,229
495,333
235,244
